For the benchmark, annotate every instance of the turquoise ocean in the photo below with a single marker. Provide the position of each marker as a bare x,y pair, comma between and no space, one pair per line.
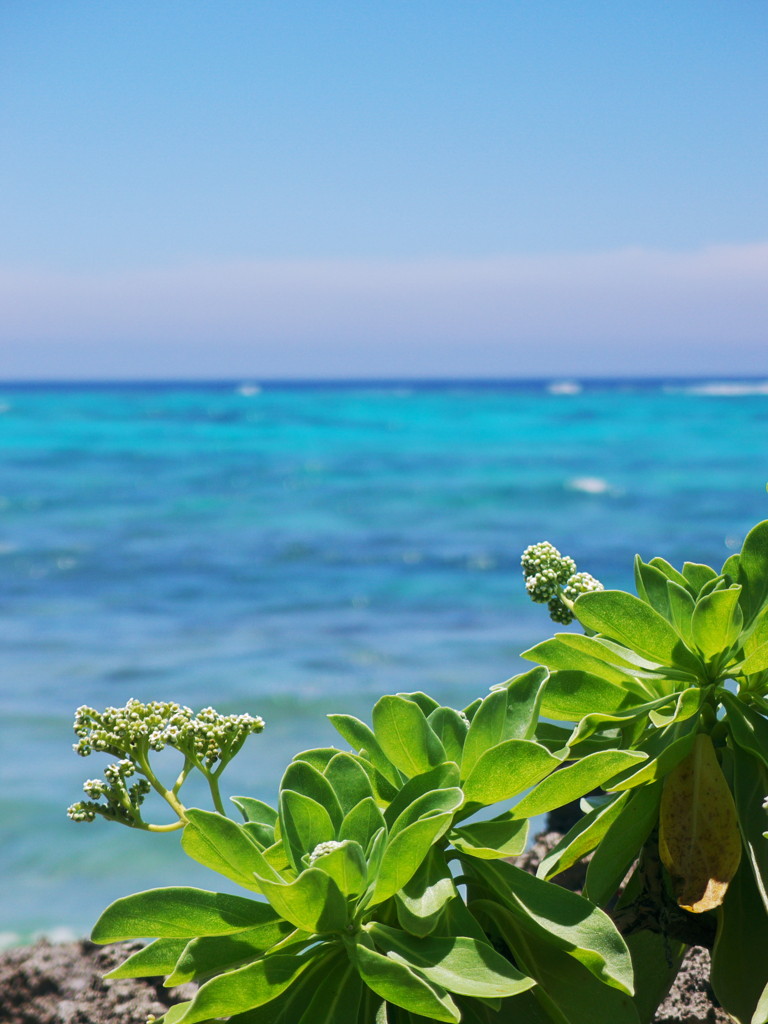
292,550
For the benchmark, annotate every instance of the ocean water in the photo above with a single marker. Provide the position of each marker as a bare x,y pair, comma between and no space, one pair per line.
295,550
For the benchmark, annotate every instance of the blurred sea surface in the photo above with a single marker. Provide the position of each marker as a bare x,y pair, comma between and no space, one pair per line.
298,549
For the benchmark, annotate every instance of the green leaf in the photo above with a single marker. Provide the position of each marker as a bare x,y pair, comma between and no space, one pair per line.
224,846
451,729
303,778
560,918
313,902
159,957
567,993
717,621
486,730
211,954
628,662
255,810
401,985
360,737
405,736
753,572
177,912
698,575
427,806
748,727
570,695
681,606
426,703
444,776
305,823
575,780
739,965
348,781
422,899
558,654
404,854
665,751
245,988
503,836
750,788
686,704
631,721
651,585
633,623
362,823
336,997
622,843
524,693
461,965
506,770
346,866
756,662
582,838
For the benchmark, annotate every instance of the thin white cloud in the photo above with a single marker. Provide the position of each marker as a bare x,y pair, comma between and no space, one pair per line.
629,311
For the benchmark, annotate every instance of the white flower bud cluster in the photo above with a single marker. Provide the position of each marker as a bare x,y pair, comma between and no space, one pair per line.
121,803
207,737
545,569
552,578
324,848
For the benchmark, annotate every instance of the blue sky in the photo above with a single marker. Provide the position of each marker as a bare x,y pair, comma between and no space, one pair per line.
402,188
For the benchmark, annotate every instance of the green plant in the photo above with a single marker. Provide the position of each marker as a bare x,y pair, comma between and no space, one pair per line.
378,890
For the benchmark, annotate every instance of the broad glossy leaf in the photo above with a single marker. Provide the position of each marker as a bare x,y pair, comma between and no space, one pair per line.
422,900
436,802
460,965
444,776
451,729
657,959
404,854
756,662
303,778
313,902
750,788
622,843
574,780
245,988
629,620
348,781
399,984
346,866
360,737
405,736
337,996
567,992
224,846
748,727
630,663
686,704
255,810
305,823
665,749
177,912
570,695
362,822
506,770
426,703
717,621
211,954
560,918
739,964
699,840
159,957
486,730
524,693
632,720
753,571
582,838
698,575
651,585
670,571
561,656
504,836
681,606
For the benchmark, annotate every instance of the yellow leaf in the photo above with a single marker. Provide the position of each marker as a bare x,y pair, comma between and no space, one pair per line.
699,840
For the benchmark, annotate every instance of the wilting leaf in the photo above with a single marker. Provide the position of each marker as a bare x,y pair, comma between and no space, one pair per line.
699,840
